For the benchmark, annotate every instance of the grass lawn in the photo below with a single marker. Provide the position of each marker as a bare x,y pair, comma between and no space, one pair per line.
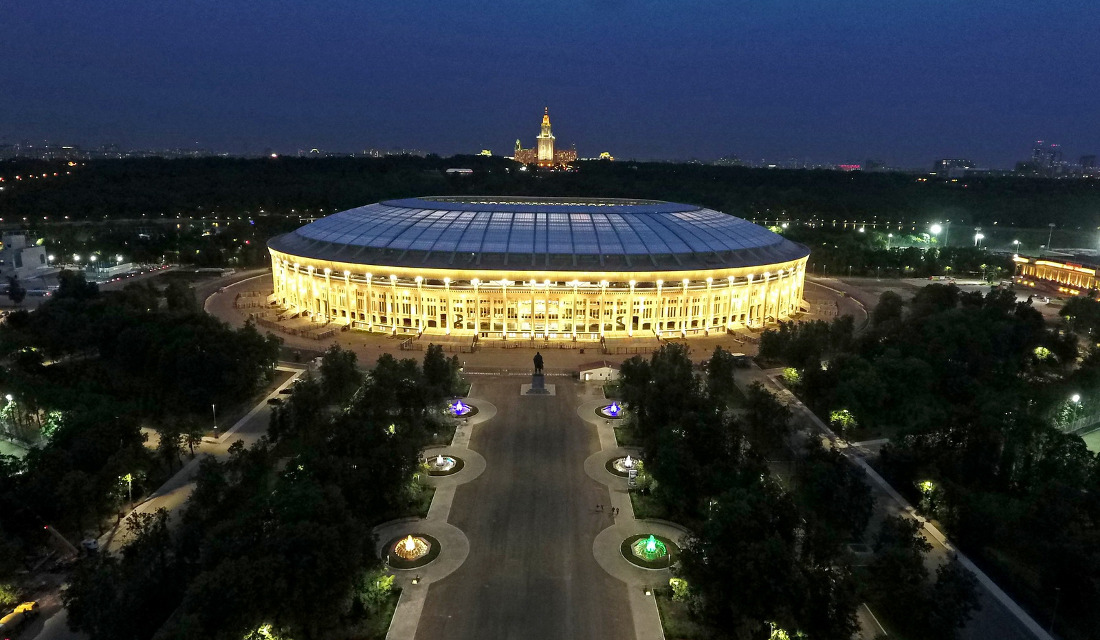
625,437
611,391
378,625
464,388
676,619
647,507
420,506
1092,441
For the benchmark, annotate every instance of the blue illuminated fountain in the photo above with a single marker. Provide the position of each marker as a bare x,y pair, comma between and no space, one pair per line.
613,410
458,408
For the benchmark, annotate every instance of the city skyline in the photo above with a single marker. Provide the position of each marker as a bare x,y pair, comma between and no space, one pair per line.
902,84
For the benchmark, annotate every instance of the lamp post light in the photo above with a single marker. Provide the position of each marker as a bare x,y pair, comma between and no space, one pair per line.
1016,246
978,239
889,237
1076,400
214,409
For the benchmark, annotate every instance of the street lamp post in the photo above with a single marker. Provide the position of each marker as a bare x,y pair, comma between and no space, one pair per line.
1016,246
214,408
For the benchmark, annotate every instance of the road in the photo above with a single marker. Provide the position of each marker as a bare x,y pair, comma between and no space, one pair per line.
531,522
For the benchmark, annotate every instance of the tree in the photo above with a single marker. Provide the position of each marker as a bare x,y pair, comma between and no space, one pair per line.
440,373
339,375
180,296
767,421
888,309
955,597
169,444
16,291
834,491
897,573
720,370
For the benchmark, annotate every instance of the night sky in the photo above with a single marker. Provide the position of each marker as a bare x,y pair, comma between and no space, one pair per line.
903,82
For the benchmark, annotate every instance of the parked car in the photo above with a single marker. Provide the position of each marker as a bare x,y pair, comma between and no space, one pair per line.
274,400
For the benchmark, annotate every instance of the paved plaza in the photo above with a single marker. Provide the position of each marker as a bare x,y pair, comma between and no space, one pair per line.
531,520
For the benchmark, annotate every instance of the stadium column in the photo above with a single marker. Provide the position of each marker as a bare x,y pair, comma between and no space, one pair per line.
391,308
450,307
749,315
351,301
684,310
312,291
419,305
660,308
328,294
477,309
630,312
573,309
603,304
296,298
766,291
370,303
729,304
710,305
546,311
504,294
533,292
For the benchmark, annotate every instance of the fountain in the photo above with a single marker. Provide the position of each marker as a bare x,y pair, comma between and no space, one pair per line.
613,410
441,464
412,548
459,409
623,466
649,549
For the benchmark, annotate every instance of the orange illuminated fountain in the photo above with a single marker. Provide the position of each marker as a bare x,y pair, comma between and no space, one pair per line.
412,548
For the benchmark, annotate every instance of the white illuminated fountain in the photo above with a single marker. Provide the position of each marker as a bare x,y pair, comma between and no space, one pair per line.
624,465
441,464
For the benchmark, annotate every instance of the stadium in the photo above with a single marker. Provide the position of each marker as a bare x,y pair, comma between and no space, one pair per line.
575,269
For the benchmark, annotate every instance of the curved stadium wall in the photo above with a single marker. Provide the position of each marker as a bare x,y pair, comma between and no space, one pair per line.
557,269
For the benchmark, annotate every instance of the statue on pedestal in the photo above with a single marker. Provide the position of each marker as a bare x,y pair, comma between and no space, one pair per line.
538,362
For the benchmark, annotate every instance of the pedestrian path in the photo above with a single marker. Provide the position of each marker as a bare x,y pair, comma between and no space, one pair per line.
455,546
1000,615
606,548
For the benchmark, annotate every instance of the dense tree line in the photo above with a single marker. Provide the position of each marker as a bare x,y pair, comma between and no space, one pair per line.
84,373
762,554
275,541
972,390
130,188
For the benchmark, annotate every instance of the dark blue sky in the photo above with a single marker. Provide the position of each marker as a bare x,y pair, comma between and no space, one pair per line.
903,82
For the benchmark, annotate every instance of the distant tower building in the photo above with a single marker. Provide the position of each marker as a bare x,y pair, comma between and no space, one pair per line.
544,154
1088,162
546,141
1046,155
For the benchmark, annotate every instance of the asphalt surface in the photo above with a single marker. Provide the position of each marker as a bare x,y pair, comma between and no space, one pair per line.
531,521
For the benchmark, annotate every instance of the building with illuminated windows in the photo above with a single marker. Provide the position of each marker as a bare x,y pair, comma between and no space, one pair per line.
1066,277
544,154
546,268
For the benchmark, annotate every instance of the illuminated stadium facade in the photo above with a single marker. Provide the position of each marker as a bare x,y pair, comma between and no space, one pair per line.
554,269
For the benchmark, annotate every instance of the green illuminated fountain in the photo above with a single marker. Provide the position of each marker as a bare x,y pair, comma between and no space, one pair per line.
649,549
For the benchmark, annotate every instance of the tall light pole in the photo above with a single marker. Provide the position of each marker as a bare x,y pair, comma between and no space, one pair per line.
1016,245
214,408
1050,235
978,239
889,237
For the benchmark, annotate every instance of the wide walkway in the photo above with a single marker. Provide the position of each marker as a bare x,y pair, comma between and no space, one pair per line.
531,519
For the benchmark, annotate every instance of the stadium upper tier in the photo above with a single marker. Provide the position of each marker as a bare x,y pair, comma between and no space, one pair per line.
566,234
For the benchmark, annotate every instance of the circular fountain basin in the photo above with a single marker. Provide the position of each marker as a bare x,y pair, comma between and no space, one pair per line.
620,466
399,555
460,409
650,551
613,411
441,465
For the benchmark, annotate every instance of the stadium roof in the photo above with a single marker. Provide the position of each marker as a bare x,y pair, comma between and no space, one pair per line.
571,234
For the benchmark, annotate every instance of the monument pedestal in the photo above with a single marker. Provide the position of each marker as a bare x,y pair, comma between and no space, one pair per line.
538,386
